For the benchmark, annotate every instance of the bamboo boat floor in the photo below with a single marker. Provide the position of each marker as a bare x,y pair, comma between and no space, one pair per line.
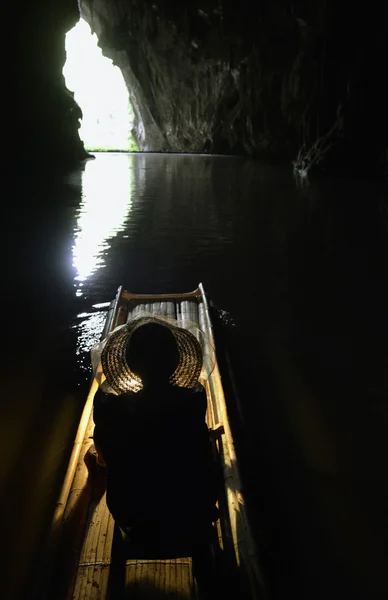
143,578
159,579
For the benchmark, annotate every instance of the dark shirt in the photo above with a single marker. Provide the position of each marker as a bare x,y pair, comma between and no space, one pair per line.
158,454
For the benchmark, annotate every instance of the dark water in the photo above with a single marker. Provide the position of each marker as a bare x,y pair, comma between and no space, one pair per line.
298,273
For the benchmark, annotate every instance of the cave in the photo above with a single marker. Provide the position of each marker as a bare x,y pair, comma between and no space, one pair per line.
292,82
288,81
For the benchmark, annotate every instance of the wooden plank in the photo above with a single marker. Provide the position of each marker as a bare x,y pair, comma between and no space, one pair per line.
162,581
76,462
80,584
178,313
179,579
148,307
191,578
101,580
103,552
202,317
165,308
203,325
167,582
189,589
135,310
92,575
122,315
150,574
142,307
138,575
88,554
171,310
169,578
111,317
190,311
130,577
129,296
155,308
173,578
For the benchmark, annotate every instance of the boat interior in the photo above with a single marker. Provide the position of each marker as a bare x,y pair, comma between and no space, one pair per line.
90,558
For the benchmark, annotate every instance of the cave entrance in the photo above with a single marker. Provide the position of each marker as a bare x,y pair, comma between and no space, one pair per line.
100,91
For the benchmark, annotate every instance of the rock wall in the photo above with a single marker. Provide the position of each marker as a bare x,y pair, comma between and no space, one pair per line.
44,117
271,80
286,80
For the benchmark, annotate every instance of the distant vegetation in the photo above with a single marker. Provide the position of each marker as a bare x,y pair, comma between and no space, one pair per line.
110,145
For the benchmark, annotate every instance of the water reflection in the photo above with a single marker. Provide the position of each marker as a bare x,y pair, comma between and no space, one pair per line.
303,272
88,327
104,210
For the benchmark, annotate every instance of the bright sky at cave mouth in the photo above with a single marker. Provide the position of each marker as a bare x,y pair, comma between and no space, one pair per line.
100,91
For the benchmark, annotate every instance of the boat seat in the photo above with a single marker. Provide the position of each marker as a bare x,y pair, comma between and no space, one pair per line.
159,579
144,570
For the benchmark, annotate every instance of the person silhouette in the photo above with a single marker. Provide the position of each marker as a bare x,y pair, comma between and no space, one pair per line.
162,479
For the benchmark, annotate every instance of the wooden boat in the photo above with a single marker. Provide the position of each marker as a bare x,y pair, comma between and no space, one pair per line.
82,531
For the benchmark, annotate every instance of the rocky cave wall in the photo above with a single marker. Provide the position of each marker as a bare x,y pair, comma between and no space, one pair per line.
277,80
43,120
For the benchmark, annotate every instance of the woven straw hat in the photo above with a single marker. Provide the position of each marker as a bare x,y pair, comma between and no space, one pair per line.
196,355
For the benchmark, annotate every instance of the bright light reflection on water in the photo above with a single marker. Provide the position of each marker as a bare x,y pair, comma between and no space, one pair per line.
103,304
103,213
88,335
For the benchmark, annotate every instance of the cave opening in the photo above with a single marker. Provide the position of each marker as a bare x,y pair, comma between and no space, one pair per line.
100,91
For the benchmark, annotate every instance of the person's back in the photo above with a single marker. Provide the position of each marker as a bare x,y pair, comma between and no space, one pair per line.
155,443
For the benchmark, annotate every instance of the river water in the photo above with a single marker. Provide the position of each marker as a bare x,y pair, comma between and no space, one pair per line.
297,272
